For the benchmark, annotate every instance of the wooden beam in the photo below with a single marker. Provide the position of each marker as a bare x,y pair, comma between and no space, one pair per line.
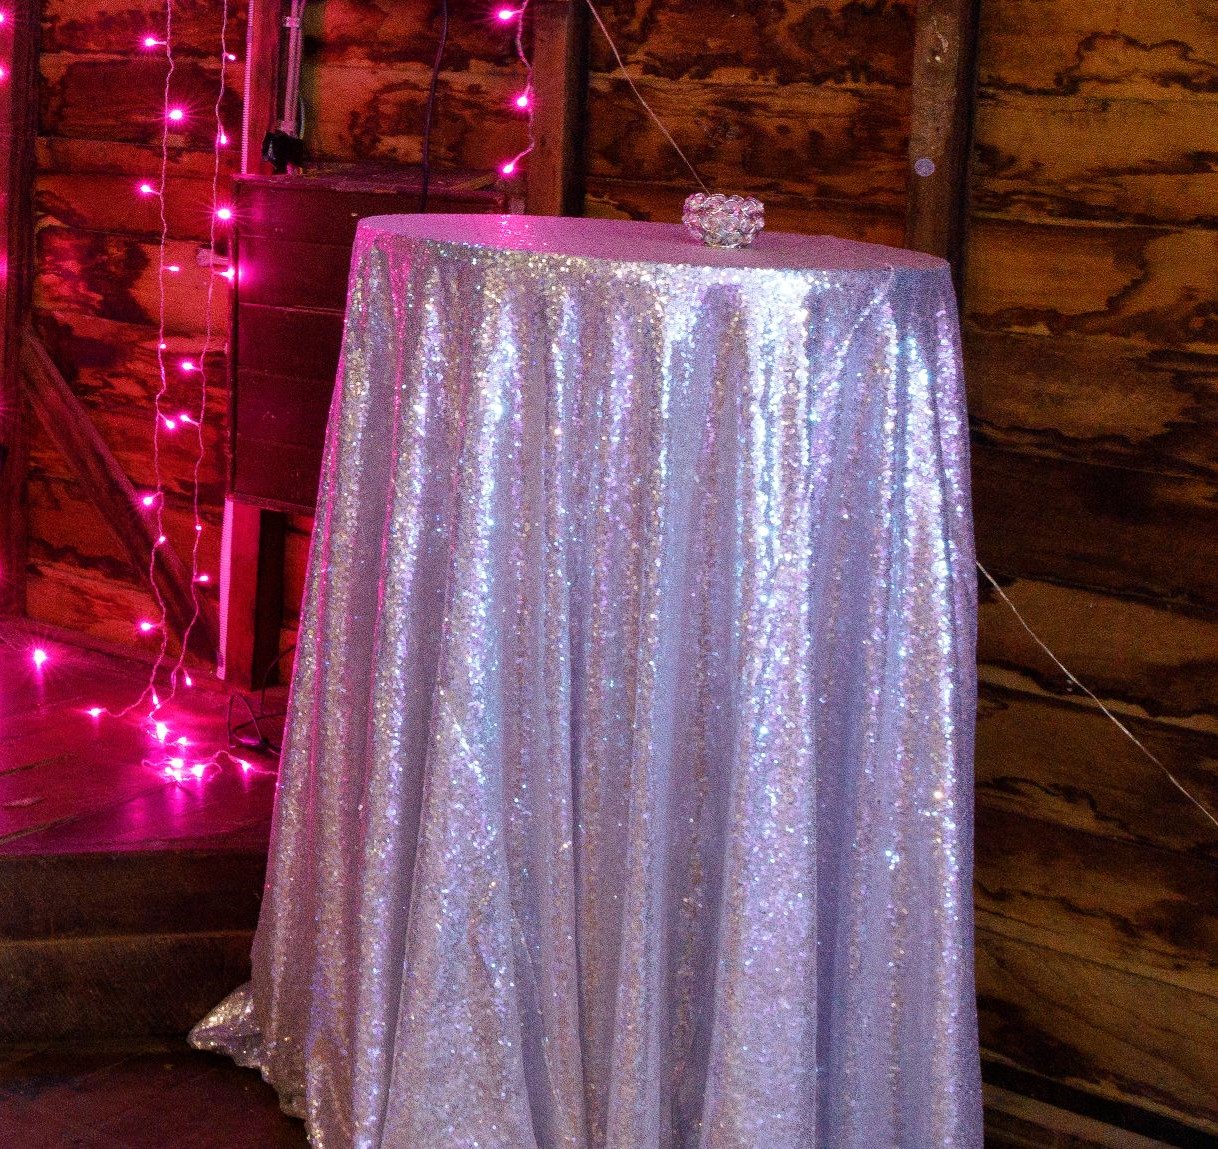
68,424
18,120
253,594
944,77
261,81
560,87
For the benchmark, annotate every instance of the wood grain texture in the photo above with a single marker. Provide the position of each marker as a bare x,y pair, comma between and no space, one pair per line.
788,41
1149,912
1117,1034
1151,284
1145,534
1103,48
19,59
1062,760
1096,398
1043,157
1139,653
628,199
1091,350
555,172
805,139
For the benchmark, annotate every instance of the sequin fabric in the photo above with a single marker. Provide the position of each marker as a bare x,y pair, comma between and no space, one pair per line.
625,800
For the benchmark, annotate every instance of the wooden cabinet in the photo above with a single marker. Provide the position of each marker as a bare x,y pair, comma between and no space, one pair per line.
292,240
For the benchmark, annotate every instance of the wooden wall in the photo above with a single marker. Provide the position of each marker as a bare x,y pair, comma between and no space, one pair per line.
1091,310
95,291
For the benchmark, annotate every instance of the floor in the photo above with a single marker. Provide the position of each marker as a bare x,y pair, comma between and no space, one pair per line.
84,767
166,1098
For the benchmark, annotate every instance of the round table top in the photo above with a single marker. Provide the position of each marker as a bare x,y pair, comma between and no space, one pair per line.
631,241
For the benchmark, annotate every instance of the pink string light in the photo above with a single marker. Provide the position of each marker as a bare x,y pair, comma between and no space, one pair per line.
524,100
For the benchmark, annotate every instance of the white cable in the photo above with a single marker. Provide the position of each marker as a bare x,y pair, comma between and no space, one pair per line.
1119,724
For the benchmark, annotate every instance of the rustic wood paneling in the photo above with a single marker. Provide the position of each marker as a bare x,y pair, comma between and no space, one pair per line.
627,199
1108,528
96,290
1135,651
1063,761
1092,354
791,138
1042,156
787,41
1105,48
1147,283
358,113
117,28
1148,912
1096,398
1118,1034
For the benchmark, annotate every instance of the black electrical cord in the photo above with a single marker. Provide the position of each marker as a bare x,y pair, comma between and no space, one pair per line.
431,105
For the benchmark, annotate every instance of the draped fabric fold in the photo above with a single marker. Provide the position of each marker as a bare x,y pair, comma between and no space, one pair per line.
625,800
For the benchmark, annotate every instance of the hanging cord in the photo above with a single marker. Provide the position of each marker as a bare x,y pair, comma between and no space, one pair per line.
290,119
1090,694
431,106
639,95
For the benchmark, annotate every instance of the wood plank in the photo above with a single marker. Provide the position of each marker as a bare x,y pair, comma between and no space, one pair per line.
1125,531
819,141
259,114
1146,283
109,988
940,127
1045,157
112,203
1013,1121
63,595
375,33
1105,48
1095,398
121,98
18,112
116,277
1149,912
81,28
1062,760
1140,653
785,42
66,531
1101,1029
254,598
283,409
554,173
381,119
83,894
288,342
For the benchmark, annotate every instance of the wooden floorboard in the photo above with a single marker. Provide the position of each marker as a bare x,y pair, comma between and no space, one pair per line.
74,782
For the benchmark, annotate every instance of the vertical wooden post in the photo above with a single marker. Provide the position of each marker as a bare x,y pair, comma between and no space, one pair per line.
261,80
560,85
944,76
252,592
18,125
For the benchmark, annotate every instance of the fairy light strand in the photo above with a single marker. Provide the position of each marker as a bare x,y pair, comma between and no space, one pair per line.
217,215
524,101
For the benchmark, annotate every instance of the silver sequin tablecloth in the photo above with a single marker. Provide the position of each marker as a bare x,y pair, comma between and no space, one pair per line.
626,795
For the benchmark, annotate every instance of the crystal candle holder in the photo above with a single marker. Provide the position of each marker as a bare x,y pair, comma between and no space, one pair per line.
724,220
